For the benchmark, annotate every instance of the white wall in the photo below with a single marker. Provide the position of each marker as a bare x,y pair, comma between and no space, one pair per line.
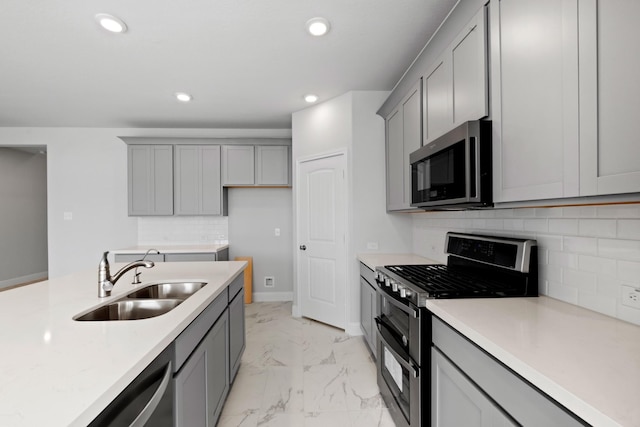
254,214
23,216
87,176
349,123
585,253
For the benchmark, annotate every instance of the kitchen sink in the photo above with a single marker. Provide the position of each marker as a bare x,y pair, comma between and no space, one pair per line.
130,309
168,290
151,301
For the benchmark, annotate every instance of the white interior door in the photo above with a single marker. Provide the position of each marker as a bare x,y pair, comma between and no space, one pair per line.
322,219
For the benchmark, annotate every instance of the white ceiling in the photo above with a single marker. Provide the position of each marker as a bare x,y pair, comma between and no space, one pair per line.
247,63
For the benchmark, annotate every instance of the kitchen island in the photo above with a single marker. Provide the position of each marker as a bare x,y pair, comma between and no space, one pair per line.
56,371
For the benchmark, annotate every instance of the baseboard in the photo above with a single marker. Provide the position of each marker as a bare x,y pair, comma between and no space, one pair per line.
353,329
30,278
295,311
272,296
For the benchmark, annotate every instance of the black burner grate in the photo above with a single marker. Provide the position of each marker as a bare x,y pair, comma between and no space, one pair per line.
441,281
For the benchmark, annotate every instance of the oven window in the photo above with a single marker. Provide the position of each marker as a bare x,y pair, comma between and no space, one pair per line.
441,176
396,377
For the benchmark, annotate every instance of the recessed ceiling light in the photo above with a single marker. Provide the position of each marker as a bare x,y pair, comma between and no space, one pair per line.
311,98
318,26
183,97
111,23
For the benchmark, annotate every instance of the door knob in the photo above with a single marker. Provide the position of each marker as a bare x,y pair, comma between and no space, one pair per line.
303,247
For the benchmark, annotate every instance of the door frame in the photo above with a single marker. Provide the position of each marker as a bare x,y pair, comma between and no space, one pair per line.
296,308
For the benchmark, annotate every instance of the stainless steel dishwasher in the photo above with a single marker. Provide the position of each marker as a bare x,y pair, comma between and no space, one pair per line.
147,401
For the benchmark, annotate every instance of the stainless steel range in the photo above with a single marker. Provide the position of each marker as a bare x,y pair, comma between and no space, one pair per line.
478,266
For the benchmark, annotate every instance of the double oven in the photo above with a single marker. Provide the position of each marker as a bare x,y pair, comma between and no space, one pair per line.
478,266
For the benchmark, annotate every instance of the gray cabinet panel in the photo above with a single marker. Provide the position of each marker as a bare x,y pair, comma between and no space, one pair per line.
437,94
190,257
238,164
138,257
236,333
523,403
150,179
197,182
217,368
191,391
368,307
272,165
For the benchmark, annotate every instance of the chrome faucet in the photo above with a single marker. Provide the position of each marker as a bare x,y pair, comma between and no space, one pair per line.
136,273
106,282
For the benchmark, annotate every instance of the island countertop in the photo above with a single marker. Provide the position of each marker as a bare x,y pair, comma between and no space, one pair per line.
56,371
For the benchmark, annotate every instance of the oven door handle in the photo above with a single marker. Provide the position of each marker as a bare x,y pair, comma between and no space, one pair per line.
389,345
404,307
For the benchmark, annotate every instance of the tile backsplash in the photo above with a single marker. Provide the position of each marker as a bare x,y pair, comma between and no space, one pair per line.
586,253
182,230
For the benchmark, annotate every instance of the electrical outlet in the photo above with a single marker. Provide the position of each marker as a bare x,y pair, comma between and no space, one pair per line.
277,232
631,296
269,282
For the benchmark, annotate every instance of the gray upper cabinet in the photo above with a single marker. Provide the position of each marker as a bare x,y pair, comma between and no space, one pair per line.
150,178
198,190
456,84
249,165
404,135
272,165
238,165
534,99
609,97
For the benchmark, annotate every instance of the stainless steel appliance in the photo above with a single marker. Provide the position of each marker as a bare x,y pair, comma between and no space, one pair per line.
477,267
454,170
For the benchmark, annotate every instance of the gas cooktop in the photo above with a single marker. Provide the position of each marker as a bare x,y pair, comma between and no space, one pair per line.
478,266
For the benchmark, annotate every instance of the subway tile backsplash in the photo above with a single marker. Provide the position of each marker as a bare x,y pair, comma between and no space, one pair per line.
182,230
586,253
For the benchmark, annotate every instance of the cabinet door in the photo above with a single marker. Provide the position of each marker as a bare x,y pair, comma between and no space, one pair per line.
534,99
404,136
150,179
238,165
469,95
236,333
365,310
609,97
198,188
273,165
217,363
438,116
191,390
456,401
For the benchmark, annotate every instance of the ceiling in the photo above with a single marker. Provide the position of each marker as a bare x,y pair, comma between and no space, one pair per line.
247,63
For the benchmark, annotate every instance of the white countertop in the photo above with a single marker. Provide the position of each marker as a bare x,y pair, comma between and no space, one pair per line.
588,362
55,371
373,260
173,249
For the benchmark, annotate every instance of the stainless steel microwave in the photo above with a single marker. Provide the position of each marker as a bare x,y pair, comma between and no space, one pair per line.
454,170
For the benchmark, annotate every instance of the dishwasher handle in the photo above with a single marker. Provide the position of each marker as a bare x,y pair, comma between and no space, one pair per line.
153,403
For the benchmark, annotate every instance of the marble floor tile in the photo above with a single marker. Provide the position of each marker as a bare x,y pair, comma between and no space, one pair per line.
301,373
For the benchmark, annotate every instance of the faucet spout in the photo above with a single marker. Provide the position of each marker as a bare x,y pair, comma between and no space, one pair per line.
106,281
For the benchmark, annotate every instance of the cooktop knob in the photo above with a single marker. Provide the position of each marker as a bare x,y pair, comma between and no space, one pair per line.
394,286
403,291
387,282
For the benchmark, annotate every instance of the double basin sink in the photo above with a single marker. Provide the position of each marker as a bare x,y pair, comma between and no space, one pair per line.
150,301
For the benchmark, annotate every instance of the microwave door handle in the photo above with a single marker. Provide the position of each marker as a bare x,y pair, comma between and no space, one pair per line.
476,160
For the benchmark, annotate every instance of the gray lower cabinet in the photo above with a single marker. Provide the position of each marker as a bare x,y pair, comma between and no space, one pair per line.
471,388
150,178
368,307
236,332
221,255
207,358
